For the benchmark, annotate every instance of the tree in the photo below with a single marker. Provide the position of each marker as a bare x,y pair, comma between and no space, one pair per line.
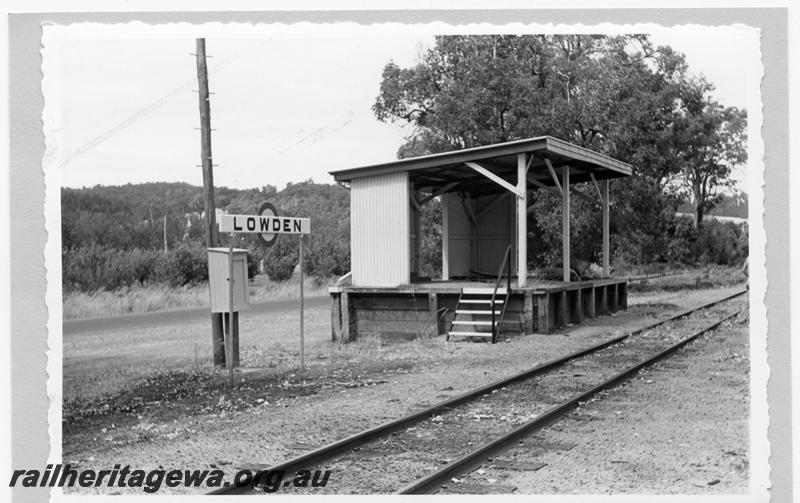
616,95
712,139
613,94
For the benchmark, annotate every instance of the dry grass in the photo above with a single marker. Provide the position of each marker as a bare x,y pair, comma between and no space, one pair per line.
628,270
712,276
131,300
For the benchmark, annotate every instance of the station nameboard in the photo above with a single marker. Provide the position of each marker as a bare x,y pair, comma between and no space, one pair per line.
261,224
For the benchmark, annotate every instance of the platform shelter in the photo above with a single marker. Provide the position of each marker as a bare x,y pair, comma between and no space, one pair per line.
486,195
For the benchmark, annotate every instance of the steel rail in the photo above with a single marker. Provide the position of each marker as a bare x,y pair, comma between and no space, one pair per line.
433,482
333,449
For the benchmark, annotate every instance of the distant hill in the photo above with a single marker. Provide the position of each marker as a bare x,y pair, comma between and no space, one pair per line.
132,216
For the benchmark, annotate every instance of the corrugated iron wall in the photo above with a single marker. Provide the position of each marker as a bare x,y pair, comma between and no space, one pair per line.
415,239
379,230
480,248
495,231
456,236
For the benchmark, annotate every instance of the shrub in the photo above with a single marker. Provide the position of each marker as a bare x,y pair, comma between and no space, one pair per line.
327,256
713,242
681,247
96,267
252,264
281,259
723,243
191,263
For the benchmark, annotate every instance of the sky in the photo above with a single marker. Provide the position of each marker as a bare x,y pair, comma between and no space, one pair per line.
287,106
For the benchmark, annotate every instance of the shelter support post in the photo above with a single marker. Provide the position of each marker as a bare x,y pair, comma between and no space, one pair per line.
445,241
520,191
606,256
522,220
565,221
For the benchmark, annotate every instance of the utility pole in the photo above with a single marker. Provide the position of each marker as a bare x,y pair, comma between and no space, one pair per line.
217,340
165,233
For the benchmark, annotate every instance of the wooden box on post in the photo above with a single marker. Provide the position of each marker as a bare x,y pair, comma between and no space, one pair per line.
218,270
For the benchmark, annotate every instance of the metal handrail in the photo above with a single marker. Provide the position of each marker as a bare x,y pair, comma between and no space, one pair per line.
505,306
458,303
496,286
344,278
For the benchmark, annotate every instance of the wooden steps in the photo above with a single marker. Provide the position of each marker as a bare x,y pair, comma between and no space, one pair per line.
469,334
472,322
482,290
474,310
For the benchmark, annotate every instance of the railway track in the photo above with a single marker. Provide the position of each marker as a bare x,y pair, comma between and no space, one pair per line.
424,451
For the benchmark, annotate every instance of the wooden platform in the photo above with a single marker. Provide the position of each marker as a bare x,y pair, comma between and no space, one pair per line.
427,308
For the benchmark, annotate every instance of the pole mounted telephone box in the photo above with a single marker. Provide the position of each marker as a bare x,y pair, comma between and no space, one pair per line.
218,272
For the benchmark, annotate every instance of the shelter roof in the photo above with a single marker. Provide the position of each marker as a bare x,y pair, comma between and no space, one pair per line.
440,170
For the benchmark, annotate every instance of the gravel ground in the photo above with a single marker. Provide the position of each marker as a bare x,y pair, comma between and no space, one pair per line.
658,433
281,418
389,463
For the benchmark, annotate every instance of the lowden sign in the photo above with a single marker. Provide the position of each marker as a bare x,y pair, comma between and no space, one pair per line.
260,223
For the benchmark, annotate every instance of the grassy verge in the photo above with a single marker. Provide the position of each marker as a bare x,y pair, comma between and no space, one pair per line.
713,276
144,299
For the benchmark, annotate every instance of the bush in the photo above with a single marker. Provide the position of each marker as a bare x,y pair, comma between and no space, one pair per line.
713,242
96,267
681,248
327,256
281,259
252,264
722,243
188,263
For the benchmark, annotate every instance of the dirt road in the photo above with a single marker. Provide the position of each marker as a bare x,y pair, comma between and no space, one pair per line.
179,317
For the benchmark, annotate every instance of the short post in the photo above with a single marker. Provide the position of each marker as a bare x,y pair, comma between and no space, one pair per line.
527,313
345,304
302,342
543,319
433,309
218,338
229,332
336,317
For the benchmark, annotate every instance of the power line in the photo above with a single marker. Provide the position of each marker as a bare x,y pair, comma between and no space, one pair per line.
97,140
